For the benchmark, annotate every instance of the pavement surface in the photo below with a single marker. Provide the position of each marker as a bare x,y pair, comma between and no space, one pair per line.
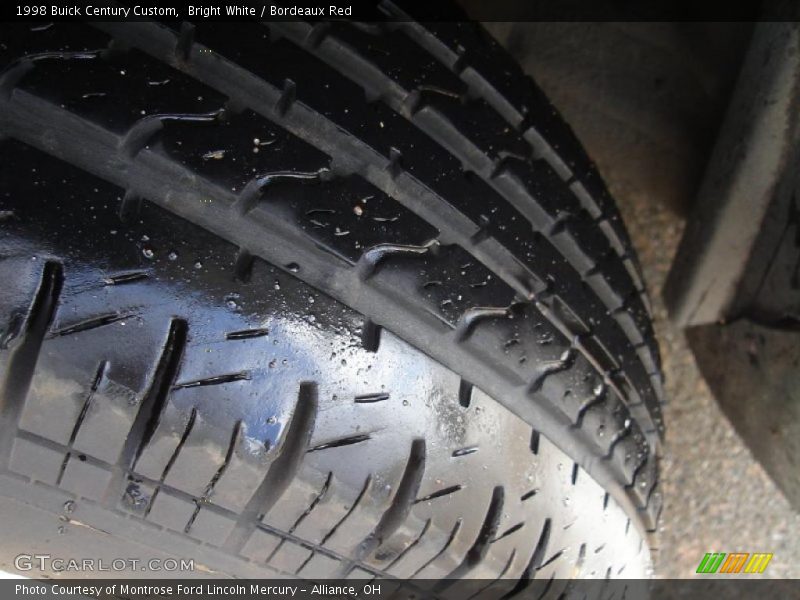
717,497
646,100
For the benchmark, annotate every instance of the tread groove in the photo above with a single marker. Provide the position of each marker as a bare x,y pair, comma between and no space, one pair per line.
93,323
283,468
183,46
534,443
411,546
123,278
346,441
453,532
150,409
471,317
129,206
508,532
25,356
535,562
439,493
215,380
317,499
599,397
465,451
464,393
371,336
551,560
480,546
494,581
155,400
243,267
403,499
349,512
184,436
102,369
563,363
371,259
235,437
246,334
371,398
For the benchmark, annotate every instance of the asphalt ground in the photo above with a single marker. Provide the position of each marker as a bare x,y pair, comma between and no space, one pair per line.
717,497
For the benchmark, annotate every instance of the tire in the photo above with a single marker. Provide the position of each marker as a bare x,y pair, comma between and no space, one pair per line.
357,306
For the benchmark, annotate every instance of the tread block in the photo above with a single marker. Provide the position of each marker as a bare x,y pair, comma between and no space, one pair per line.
645,481
211,526
200,458
349,216
157,454
359,573
293,507
170,511
453,117
245,145
248,465
35,461
101,90
606,422
66,37
61,387
653,511
450,281
108,420
361,520
260,545
289,557
332,509
25,275
320,566
85,479
54,401
378,48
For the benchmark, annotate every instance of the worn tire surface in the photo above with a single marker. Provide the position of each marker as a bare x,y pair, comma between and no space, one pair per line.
314,300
